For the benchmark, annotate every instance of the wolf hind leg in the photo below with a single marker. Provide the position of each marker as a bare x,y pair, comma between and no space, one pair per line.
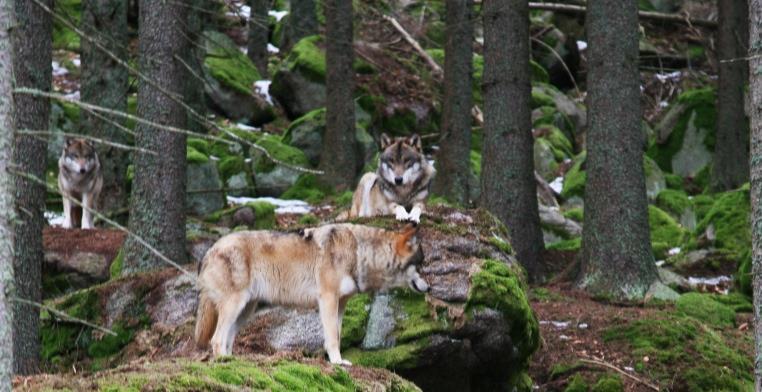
229,310
329,316
242,320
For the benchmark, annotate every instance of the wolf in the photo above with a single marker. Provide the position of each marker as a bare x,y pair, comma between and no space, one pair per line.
79,178
400,184
322,268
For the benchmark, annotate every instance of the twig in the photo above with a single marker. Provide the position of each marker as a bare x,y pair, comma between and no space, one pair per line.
102,217
63,315
578,9
429,60
620,371
80,136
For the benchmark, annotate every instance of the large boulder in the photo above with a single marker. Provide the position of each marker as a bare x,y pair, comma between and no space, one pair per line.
474,330
299,83
204,190
272,179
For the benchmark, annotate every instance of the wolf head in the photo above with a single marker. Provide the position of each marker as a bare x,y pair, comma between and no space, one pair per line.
401,160
79,156
408,257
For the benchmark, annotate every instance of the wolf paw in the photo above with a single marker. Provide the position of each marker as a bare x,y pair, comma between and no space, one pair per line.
400,213
415,215
342,362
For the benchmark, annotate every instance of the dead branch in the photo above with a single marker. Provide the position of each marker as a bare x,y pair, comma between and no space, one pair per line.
63,315
578,9
80,136
429,60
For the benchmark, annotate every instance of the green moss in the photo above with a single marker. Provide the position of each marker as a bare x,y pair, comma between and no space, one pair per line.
308,58
401,356
299,377
280,151
576,214
63,37
673,201
233,70
540,98
574,244
355,320
730,217
308,220
664,230
736,301
673,181
577,384
501,244
416,318
109,344
743,276
476,163
115,269
307,188
230,166
706,309
575,178
264,215
562,146
200,145
344,199
498,287
59,337
608,383
193,156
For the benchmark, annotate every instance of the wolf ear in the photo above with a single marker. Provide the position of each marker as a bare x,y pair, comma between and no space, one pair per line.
415,142
386,141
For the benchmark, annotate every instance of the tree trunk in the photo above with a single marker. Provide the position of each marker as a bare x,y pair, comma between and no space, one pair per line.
31,62
258,29
755,88
339,151
7,214
194,58
105,83
453,158
731,154
157,206
508,184
616,259
303,22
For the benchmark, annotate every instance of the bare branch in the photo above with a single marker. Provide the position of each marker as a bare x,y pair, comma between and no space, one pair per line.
63,315
578,9
80,136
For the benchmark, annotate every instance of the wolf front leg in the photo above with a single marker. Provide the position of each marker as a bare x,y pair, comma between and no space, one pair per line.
400,213
87,206
67,212
415,213
329,316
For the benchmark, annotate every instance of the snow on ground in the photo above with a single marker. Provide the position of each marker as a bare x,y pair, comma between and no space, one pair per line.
581,45
58,70
262,87
54,218
73,96
248,128
272,48
282,206
672,76
674,251
557,185
278,15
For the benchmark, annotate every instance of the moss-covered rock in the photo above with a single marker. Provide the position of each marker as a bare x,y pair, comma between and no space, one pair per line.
299,82
575,178
271,178
729,218
264,215
666,233
706,309
307,188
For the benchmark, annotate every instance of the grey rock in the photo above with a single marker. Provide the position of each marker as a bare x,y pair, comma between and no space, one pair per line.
276,181
239,185
90,267
205,190
381,323
659,290
693,154
296,93
178,303
244,216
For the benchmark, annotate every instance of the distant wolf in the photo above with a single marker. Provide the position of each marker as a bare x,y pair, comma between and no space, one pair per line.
80,179
400,184
322,269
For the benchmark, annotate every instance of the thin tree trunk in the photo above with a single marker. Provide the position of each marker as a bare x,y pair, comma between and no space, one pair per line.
32,68
194,58
616,250
157,206
453,158
258,29
105,83
508,184
731,154
303,21
339,151
6,196
755,88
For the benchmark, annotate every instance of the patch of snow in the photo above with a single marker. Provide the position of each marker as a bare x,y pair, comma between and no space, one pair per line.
248,128
262,87
715,281
239,11
278,15
247,160
663,104
567,160
272,48
629,369
564,337
581,45
76,61
659,263
214,158
282,206
73,96
243,49
560,324
557,185
58,70
54,218
674,251
672,76
583,326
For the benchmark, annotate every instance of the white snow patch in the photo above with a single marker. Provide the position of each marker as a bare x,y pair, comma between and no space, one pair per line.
262,87
247,160
715,281
54,218
581,45
272,48
281,206
663,104
278,15
582,326
239,11
248,128
629,368
564,337
556,324
659,263
214,158
557,185
664,77
243,49
76,61
567,160
58,70
674,251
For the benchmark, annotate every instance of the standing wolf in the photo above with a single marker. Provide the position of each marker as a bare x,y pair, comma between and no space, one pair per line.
400,184
322,268
80,179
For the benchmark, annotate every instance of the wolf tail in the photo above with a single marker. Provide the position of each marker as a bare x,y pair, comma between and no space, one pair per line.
206,321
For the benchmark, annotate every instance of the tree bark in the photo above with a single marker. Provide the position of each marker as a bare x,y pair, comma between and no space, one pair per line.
617,259
453,158
194,58
32,68
731,154
258,29
302,21
755,88
339,146
508,184
157,206
7,185
105,83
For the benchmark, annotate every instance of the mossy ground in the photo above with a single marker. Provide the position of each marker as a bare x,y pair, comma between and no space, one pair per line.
264,214
666,233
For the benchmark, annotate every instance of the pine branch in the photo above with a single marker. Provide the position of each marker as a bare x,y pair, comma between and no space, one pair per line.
579,9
